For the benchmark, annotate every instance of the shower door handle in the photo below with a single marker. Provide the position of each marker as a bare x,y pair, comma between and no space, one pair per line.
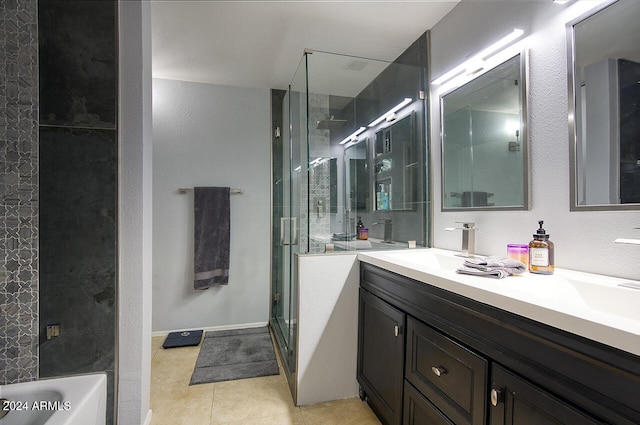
283,221
294,221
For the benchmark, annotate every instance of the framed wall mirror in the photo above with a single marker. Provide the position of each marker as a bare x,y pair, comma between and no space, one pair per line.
484,141
604,107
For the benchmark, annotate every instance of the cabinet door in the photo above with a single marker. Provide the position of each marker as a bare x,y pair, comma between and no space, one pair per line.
381,356
515,401
419,411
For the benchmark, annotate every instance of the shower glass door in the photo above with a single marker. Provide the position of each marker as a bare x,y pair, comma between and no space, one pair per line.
282,230
290,168
283,237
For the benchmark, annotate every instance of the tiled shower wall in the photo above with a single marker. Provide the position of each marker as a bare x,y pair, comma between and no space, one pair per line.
319,174
78,165
58,63
18,191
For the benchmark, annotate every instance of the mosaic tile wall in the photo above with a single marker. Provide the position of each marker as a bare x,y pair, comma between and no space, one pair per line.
319,176
300,198
18,191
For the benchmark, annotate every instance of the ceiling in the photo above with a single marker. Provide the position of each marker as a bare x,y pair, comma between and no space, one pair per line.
260,43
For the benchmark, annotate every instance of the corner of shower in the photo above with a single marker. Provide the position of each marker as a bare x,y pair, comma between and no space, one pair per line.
343,133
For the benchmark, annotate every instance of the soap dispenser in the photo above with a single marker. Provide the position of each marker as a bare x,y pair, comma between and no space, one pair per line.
541,252
362,232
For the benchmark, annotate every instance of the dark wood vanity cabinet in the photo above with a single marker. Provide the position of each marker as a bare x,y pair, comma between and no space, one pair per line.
456,361
381,355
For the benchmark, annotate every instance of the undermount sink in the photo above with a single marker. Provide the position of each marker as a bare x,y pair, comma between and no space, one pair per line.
608,297
428,258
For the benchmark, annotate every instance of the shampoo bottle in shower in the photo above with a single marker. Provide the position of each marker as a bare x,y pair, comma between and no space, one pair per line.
541,252
385,200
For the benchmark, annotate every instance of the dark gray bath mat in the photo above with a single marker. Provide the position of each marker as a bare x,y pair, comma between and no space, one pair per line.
235,354
182,339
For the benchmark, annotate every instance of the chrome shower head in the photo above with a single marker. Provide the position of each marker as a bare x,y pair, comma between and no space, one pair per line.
330,124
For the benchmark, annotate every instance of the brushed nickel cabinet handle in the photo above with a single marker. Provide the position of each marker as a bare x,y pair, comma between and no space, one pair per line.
496,397
396,330
438,370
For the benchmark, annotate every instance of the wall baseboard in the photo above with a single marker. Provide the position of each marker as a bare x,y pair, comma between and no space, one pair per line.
214,328
147,421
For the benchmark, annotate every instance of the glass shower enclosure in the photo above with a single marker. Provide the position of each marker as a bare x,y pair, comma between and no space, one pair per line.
337,152
289,157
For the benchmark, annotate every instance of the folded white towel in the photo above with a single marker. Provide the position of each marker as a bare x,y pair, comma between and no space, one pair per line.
495,273
494,266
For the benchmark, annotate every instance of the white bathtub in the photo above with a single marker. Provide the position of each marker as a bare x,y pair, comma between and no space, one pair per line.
76,400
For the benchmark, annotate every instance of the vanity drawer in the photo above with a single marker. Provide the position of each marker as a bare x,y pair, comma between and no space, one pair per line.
419,411
451,376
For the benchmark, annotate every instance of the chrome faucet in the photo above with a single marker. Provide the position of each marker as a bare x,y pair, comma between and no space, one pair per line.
387,230
625,241
468,238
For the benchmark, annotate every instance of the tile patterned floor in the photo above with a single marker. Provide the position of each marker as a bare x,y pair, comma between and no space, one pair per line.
256,401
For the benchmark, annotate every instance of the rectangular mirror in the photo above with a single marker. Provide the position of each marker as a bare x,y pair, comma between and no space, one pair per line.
484,141
604,112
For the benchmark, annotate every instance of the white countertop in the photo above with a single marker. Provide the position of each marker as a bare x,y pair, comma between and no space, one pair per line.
589,305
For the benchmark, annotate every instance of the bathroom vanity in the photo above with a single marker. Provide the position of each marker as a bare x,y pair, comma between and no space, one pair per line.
436,347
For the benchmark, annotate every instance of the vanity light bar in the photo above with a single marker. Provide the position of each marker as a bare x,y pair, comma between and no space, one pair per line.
353,135
514,35
406,101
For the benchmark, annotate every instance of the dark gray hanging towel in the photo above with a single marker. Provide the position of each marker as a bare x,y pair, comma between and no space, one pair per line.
211,236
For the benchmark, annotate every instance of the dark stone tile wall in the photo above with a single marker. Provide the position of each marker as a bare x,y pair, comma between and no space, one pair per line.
405,77
78,192
277,122
78,188
77,55
78,250
18,191
77,242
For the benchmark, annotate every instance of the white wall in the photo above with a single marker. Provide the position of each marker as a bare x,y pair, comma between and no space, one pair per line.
584,240
134,213
327,327
209,135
